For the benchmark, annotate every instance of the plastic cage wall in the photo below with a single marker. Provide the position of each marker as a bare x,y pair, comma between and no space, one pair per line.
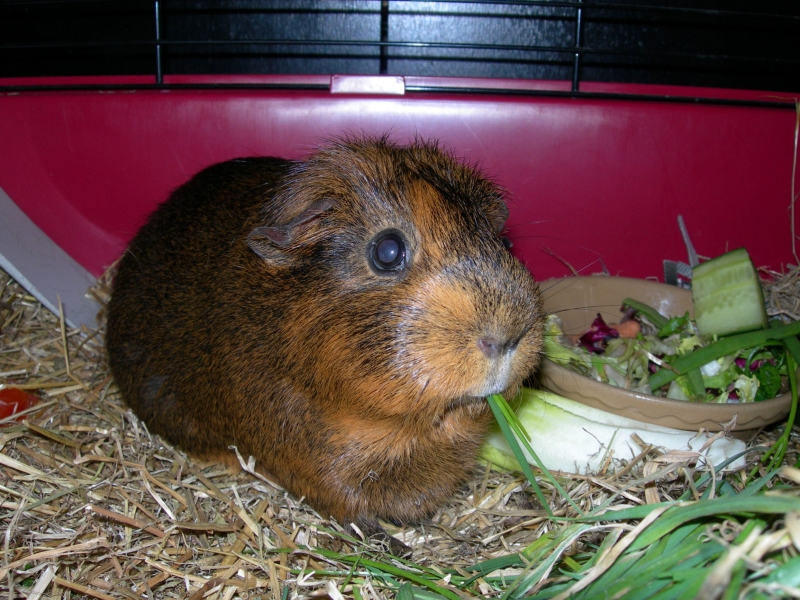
602,120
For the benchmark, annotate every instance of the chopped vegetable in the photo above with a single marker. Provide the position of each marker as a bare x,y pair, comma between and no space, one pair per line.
769,379
14,400
628,329
549,419
727,295
674,325
599,334
558,350
746,367
721,348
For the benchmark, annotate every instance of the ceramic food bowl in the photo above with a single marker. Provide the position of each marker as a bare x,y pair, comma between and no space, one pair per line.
577,300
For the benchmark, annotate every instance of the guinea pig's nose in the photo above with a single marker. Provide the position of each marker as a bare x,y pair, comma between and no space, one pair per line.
493,346
490,345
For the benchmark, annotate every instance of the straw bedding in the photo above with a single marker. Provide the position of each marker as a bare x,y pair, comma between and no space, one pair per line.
94,506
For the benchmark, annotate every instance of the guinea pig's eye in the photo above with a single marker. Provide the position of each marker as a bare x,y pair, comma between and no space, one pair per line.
387,252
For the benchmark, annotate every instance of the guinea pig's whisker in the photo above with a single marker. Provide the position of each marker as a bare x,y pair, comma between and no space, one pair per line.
527,224
565,282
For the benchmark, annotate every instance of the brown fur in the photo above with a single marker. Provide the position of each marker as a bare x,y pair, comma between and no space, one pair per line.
245,313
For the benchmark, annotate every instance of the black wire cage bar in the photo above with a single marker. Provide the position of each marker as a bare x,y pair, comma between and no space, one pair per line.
724,44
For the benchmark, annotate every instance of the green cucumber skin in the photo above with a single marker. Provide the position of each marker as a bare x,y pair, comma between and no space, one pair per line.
727,295
723,260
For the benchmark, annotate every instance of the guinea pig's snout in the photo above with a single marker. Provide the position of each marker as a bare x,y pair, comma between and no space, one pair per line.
499,352
491,346
473,329
494,346
508,332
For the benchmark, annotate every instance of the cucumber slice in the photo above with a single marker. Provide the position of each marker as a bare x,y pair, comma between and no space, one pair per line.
727,295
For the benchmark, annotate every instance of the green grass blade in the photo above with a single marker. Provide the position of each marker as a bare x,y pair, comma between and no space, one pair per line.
787,574
503,422
792,343
685,589
609,540
621,567
654,560
526,581
774,456
410,592
500,407
735,586
684,563
482,569
648,591
656,318
680,513
724,487
405,593
696,384
680,534
379,567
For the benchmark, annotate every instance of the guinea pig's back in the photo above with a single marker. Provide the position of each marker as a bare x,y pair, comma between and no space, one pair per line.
169,315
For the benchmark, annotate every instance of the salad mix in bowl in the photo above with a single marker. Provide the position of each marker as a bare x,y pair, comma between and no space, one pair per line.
629,354
730,352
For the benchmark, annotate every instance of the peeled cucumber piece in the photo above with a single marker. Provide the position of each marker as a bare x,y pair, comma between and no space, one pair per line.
570,436
727,295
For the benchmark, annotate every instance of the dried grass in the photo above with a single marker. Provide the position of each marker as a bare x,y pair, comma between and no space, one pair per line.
94,506
782,294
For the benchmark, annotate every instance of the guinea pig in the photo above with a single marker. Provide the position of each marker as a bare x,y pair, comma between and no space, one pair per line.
340,319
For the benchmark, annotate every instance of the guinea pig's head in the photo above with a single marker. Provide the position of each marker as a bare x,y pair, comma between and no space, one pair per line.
408,302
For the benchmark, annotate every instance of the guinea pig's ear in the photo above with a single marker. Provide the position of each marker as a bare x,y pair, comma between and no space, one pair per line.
497,213
271,241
